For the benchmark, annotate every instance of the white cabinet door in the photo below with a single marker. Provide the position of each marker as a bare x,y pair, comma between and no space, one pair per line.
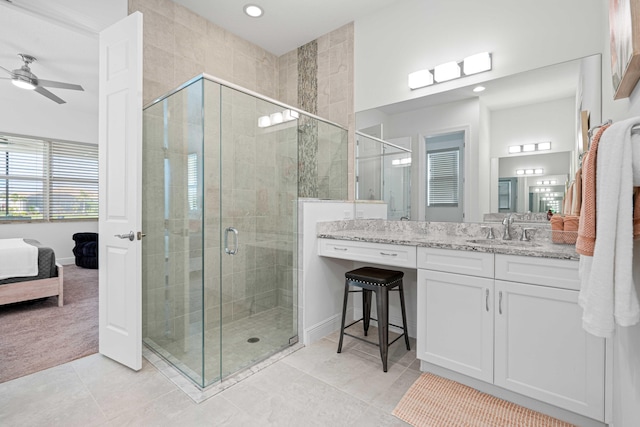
455,322
542,351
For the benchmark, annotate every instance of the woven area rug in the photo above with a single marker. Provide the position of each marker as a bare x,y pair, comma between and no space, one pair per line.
433,401
37,335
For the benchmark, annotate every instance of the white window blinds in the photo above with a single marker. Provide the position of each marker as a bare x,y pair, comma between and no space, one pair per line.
47,180
22,170
443,172
73,180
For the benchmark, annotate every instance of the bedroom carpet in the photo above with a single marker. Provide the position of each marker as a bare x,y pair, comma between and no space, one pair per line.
37,335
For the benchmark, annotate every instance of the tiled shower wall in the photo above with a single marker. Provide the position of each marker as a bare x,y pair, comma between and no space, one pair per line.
179,44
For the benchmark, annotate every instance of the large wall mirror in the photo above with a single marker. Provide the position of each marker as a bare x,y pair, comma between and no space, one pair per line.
522,138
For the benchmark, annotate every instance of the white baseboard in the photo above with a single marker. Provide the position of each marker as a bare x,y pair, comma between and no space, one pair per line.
324,328
66,261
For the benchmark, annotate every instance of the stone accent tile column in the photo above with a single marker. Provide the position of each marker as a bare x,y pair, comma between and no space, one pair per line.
308,128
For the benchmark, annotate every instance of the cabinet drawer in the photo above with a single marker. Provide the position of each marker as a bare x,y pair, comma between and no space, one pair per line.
376,253
557,273
460,262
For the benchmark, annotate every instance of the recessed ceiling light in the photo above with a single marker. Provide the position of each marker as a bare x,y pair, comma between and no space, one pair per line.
479,88
253,11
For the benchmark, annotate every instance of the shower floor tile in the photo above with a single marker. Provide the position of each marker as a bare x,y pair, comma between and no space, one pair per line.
272,328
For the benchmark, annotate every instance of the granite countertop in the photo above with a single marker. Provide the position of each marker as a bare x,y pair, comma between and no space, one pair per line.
447,235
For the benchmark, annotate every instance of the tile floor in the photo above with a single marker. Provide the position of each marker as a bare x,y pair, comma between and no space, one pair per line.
314,386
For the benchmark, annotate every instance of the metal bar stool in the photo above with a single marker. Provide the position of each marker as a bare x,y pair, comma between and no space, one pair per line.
380,281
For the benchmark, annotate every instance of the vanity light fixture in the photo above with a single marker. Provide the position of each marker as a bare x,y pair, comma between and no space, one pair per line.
277,118
515,149
476,63
446,71
534,171
253,10
473,64
401,162
420,78
540,146
264,121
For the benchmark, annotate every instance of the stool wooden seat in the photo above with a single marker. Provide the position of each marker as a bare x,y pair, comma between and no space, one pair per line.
380,281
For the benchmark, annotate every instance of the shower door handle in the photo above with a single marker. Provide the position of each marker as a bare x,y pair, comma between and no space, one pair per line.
226,241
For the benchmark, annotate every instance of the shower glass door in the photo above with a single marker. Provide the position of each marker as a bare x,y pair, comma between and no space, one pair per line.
258,205
174,263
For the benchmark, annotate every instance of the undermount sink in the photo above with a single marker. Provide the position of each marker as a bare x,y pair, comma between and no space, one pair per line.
498,242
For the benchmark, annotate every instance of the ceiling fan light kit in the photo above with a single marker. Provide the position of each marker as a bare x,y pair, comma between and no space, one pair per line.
25,79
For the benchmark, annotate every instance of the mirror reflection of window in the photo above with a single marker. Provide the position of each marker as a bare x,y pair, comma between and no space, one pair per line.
507,194
444,177
192,181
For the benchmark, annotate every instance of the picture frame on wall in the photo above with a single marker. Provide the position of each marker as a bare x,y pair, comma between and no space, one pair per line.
624,33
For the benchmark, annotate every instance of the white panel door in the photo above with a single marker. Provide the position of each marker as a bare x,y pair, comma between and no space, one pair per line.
455,322
542,351
120,139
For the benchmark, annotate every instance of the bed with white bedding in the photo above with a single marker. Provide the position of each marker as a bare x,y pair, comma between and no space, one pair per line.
28,270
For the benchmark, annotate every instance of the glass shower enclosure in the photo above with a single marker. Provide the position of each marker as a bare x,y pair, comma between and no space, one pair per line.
383,172
220,184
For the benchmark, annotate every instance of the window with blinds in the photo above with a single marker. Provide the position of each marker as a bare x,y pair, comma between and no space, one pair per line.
443,168
47,180
192,181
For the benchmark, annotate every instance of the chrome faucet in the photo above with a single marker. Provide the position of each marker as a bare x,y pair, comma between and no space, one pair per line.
506,234
490,234
526,234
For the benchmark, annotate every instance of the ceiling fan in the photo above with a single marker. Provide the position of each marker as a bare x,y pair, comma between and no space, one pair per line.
25,79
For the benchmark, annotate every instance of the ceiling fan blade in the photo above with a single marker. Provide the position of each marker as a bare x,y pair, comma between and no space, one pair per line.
51,83
43,91
8,71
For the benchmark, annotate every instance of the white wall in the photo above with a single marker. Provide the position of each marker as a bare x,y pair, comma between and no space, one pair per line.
416,34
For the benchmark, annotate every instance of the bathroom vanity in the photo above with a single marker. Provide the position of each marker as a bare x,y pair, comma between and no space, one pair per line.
499,315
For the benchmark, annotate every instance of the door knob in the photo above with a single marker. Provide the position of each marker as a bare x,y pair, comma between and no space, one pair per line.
131,236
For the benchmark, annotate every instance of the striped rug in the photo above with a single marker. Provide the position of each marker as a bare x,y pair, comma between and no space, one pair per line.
433,401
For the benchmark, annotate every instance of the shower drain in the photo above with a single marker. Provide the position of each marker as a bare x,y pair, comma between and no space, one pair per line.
253,340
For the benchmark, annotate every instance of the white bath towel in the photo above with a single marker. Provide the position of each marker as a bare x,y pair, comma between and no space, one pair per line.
607,293
17,259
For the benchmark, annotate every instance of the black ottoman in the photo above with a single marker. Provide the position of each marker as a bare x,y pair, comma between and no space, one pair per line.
86,249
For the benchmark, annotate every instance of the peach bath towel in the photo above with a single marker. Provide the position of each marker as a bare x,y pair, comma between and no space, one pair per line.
587,226
577,194
568,200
